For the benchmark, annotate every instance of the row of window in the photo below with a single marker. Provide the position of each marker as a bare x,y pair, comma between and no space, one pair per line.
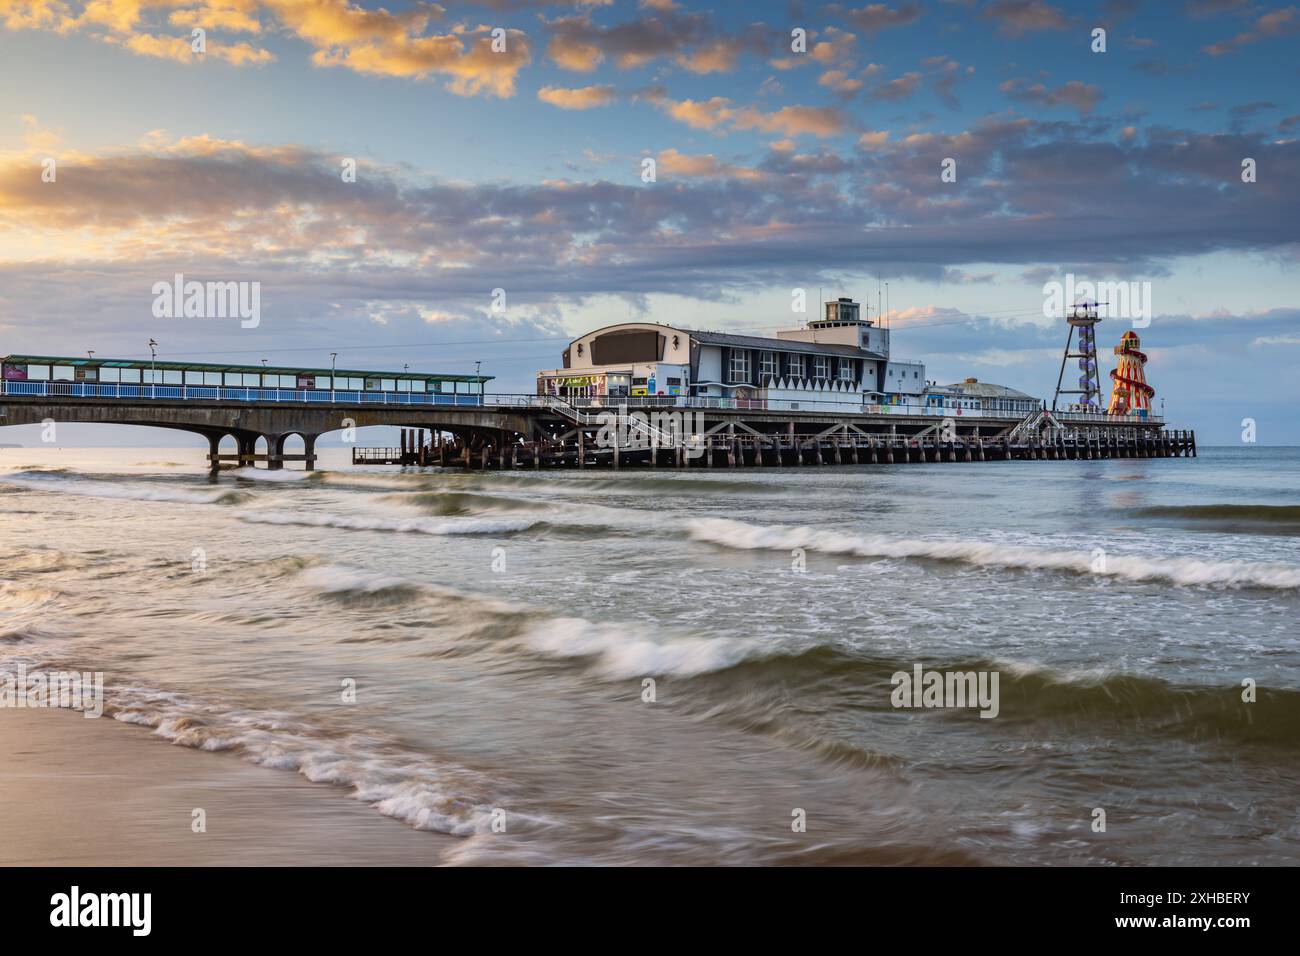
987,404
769,366
147,376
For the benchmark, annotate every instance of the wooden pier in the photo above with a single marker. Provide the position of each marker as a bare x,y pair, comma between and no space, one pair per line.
735,444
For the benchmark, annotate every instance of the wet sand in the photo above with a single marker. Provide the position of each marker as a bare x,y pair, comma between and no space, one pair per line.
78,792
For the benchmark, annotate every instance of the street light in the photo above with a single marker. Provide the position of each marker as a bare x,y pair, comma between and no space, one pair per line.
153,372
333,381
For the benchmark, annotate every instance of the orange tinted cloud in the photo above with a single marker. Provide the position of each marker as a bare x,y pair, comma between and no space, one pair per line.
582,98
340,32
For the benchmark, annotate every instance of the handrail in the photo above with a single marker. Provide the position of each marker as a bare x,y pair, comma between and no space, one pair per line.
571,408
307,396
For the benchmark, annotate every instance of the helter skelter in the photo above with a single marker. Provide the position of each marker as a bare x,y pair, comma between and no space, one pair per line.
1130,394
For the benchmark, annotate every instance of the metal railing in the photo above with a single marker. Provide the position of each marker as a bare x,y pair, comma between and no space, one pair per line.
575,406
222,393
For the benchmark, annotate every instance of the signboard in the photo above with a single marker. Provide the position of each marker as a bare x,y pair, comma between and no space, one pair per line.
15,373
306,381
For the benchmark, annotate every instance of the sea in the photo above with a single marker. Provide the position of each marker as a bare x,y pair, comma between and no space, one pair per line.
701,667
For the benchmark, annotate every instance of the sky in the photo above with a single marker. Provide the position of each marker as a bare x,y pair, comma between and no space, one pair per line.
503,145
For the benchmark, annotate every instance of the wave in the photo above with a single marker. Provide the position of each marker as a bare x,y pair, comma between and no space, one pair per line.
1259,519
618,654
415,788
15,600
1181,571
1046,699
434,526
274,477
39,481
454,503
41,561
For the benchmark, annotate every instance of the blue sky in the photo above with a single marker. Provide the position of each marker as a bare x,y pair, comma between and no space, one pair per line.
521,169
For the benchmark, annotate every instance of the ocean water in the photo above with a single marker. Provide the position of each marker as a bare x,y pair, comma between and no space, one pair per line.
676,668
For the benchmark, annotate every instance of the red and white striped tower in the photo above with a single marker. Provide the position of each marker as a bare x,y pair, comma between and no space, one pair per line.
1130,394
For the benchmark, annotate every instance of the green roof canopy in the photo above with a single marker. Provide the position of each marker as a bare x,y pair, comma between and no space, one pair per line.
218,367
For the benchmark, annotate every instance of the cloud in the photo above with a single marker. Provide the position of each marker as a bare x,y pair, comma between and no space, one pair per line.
672,163
581,98
580,44
341,33
1026,194
1082,96
719,112
1275,24
945,73
1017,17
898,89
878,16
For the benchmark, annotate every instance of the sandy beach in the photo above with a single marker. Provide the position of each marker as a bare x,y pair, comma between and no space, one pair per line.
78,792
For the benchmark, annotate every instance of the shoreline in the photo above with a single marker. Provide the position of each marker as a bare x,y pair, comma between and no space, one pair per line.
79,792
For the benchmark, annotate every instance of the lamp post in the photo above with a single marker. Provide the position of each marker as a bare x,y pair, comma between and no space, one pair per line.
153,371
333,380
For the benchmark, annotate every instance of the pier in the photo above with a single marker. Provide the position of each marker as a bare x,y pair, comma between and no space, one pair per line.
567,437
451,421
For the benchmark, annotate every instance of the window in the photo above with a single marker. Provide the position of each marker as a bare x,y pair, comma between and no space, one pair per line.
110,374
846,371
172,377
739,370
63,373
796,366
356,384
38,373
211,378
821,366
403,384
130,376
388,384
447,387
767,365
193,378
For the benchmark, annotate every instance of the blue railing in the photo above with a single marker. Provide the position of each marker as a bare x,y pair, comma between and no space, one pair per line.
213,393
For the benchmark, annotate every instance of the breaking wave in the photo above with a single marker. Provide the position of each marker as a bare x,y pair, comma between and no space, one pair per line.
1182,571
422,792
434,526
42,481
617,653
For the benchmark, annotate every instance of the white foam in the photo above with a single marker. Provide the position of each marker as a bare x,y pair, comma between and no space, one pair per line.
619,654
336,579
266,474
1182,571
412,787
435,526
104,489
